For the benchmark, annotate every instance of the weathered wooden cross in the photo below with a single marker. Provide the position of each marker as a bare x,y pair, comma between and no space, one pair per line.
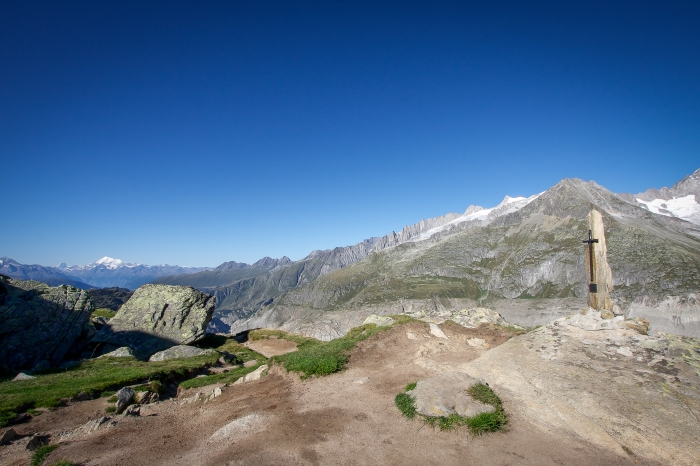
592,287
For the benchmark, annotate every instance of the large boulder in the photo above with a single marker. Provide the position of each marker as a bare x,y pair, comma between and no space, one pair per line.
39,323
157,317
179,351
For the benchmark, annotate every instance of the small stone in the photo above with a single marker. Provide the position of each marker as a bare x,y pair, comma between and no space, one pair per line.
133,410
35,441
23,376
124,398
250,363
361,381
638,324
179,351
255,375
411,336
437,331
123,352
380,321
7,436
217,392
606,314
82,396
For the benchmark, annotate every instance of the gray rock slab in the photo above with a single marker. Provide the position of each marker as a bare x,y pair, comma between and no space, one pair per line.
123,352
157,317
179,351
23,376
7,436
380,321
40,322
447,394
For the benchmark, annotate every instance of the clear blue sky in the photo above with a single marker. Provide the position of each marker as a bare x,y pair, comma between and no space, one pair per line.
194,133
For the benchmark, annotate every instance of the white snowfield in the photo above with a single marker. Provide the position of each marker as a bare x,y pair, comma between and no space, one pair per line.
484,216
107,262
686,208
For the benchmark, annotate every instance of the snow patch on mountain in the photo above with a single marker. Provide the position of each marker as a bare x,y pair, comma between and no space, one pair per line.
685,207
483,216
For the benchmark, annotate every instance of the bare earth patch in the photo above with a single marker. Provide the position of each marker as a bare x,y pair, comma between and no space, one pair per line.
345,418
272,346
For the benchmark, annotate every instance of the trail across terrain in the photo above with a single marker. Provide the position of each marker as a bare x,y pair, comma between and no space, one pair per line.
345,418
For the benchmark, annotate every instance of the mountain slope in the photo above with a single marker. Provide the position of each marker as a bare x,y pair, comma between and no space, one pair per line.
49,275
521,253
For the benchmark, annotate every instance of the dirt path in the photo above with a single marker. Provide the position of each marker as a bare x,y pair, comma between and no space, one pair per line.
346,418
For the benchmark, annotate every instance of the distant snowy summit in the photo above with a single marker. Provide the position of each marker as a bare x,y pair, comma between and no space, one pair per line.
103,273
680,200
106,262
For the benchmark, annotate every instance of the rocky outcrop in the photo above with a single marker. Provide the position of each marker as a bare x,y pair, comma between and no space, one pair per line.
446,394
157,317
125,397
620,390
40,323
179,351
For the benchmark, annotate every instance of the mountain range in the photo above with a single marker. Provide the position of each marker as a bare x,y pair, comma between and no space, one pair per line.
523,257
106,272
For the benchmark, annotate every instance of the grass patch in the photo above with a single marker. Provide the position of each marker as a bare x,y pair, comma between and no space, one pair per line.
33,412
63,463
229,345
41,453
479,424
103,312
110,409
224,377
321,358
92,376
406,405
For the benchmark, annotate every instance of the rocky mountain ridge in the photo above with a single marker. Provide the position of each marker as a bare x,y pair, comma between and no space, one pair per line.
523,250
103,273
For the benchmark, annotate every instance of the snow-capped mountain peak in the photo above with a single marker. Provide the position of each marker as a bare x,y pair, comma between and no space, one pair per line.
109,262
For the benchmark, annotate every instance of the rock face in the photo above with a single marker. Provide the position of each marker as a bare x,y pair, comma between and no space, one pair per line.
602,272
620,390
158,317
179,351
39,323
447,394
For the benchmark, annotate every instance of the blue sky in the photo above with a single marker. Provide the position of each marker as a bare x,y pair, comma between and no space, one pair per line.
193,133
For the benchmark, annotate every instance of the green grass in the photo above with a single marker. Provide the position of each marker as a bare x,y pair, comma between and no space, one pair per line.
479,424
93,376
229,345
406,405
319,358
103,312
224,377
41,453
110,409
63,463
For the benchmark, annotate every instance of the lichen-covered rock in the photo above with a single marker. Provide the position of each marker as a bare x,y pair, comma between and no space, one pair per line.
447,394
179,351
157,317
39,322
477,316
